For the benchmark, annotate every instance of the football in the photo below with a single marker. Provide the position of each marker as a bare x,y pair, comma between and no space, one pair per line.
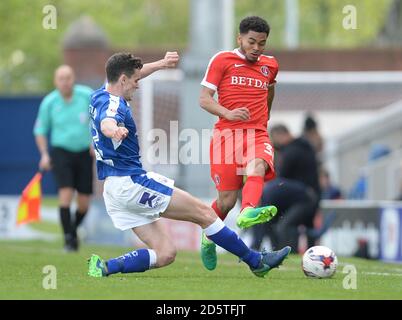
319,262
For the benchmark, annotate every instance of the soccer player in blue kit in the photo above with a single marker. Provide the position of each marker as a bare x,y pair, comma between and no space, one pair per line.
136,199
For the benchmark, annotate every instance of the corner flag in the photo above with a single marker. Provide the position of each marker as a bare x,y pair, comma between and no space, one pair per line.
28,208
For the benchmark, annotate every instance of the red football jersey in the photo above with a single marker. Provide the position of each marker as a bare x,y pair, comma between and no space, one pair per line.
241,83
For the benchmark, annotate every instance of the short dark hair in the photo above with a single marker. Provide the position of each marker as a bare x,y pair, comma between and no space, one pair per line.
121,63
254,23
279,129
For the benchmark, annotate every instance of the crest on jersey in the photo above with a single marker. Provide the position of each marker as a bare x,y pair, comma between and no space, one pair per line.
111,111
265,71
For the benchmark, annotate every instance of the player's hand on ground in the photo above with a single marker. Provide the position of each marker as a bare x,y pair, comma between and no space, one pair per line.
120,134
171,59
239,114
44,163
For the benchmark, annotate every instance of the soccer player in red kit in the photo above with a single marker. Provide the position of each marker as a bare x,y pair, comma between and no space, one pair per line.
240,148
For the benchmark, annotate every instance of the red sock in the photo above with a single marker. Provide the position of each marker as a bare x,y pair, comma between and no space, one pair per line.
217,211
252,191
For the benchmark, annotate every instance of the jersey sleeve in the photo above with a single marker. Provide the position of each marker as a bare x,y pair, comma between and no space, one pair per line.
214,72
42,122
113,109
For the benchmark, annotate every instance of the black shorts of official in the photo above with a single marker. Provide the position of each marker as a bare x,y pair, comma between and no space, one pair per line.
72,169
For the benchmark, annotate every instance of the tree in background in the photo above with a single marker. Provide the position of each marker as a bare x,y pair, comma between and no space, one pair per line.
29,53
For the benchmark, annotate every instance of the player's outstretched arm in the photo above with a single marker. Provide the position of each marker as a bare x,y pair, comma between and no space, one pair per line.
208,103
169,61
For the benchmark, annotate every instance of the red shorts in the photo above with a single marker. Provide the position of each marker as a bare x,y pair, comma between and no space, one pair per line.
230,152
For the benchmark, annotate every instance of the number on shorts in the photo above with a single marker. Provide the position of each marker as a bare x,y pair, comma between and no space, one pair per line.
268,149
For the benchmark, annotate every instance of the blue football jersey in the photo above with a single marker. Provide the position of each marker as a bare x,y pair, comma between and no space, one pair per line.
114,158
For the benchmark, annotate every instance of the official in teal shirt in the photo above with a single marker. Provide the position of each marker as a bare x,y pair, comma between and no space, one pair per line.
67,121
64,114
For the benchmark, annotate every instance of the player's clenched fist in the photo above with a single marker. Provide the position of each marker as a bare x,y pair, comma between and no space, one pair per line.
171,59
111,130
239,114
120,133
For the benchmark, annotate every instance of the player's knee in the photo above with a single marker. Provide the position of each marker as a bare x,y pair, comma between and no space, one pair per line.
166,256
205,215
257,168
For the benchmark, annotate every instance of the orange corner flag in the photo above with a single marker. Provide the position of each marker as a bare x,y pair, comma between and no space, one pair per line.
28,208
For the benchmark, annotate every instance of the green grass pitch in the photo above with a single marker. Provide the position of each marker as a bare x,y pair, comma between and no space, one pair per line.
22,263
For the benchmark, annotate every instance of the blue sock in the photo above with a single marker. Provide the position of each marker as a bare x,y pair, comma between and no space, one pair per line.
135,261
230,241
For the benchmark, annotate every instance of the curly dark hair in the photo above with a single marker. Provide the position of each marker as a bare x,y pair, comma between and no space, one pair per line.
254,23
121,63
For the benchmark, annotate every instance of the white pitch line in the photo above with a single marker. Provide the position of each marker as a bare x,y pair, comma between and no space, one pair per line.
386,274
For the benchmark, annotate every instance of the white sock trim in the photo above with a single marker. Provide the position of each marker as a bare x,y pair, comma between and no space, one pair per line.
215,227
152,258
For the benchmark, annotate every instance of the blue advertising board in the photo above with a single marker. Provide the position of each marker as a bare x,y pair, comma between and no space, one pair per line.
19,156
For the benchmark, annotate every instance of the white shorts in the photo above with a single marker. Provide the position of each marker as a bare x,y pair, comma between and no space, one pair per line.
137,200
